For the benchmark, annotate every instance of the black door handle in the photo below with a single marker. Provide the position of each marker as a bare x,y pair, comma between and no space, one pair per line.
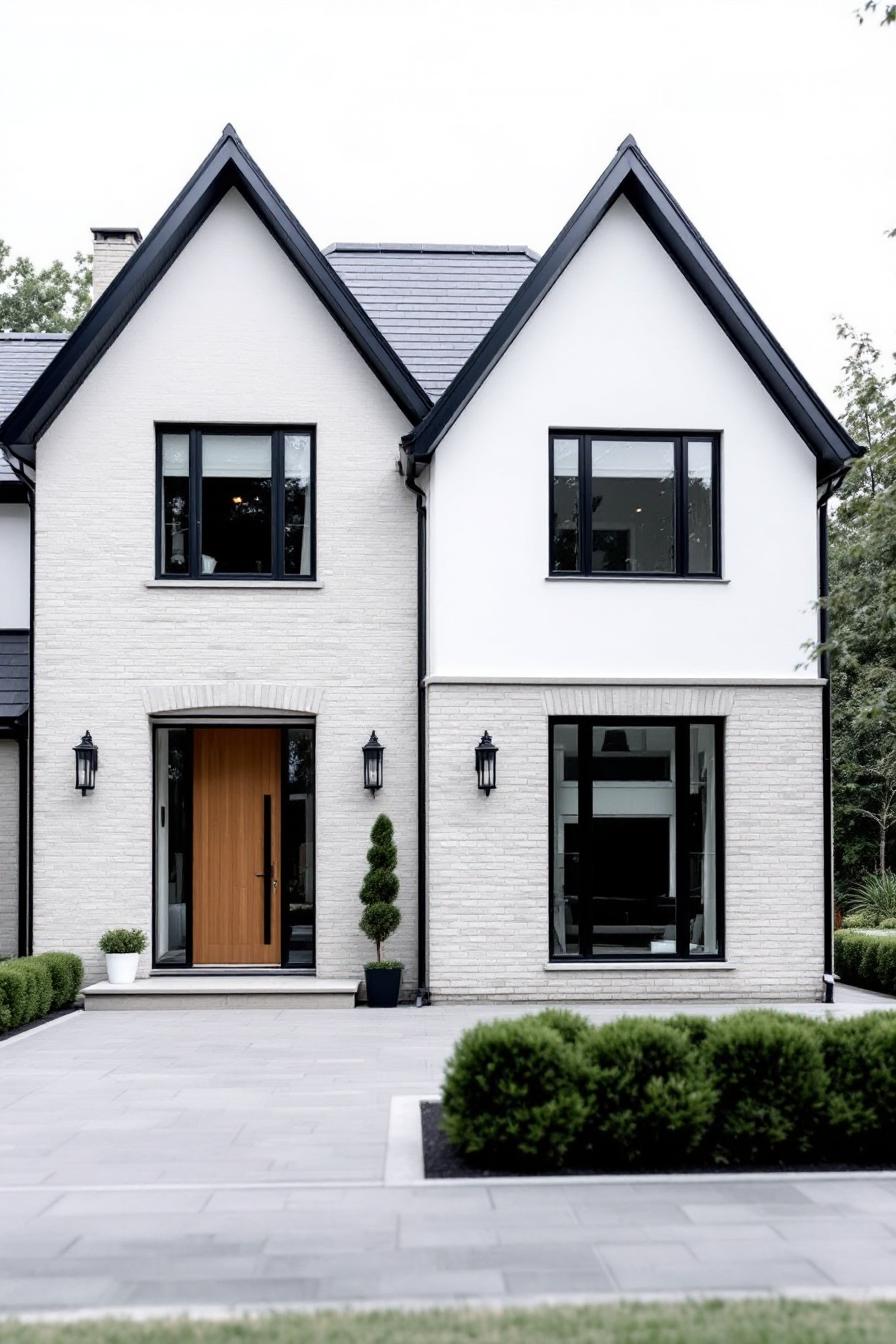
268,873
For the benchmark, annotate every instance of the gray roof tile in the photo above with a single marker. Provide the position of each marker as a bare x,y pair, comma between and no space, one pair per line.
23,357
433,303
13,674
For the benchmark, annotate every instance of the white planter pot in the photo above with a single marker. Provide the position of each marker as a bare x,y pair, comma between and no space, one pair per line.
121,967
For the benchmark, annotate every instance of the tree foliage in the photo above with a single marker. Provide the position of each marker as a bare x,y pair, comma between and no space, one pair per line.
862,617
885,12
52,299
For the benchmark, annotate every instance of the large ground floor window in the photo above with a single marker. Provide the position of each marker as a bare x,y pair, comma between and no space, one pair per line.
636,838
234,846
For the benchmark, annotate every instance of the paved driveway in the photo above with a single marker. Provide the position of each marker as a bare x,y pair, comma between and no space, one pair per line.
236,1158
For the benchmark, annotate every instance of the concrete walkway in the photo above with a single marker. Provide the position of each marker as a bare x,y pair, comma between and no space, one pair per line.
235,1157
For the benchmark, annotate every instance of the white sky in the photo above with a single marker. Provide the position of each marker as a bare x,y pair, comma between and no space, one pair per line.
771,121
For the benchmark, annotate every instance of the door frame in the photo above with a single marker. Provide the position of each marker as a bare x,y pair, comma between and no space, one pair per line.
224,721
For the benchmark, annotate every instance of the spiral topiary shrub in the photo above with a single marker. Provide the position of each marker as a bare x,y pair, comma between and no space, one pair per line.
649,1100
513,1095
379,889
770,1079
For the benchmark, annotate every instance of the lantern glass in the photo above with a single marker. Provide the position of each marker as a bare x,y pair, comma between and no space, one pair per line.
85,764
373,764
486,764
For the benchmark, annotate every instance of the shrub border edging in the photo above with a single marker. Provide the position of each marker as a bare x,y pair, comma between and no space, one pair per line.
404,1163
30,1028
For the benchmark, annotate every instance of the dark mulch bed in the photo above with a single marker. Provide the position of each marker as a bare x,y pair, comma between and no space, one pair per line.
39,1021
442,1162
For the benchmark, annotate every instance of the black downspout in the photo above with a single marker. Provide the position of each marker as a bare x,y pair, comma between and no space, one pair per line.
827,804
423,996
23,738
29,895
26,747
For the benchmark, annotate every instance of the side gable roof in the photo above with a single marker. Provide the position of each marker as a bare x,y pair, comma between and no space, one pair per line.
630,175
228,165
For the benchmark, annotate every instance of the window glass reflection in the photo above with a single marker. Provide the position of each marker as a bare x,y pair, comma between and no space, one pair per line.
236,504
632,507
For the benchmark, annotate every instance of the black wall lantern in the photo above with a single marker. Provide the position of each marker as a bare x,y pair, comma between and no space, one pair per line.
373,764
85,764
486,763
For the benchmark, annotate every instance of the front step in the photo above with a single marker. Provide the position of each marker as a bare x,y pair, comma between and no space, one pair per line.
222,991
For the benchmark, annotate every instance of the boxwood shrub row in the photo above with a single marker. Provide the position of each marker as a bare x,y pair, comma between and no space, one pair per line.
866,960
753,1089
32,987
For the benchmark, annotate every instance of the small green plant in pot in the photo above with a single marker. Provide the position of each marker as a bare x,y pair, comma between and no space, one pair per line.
381,915
122,948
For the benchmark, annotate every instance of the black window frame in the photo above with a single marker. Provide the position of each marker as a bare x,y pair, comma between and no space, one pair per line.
680,439
682,725
277,434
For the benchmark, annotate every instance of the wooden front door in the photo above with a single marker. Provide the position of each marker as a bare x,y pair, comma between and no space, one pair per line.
236,846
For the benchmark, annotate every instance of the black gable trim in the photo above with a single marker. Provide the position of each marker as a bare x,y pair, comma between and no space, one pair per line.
630,174
228,165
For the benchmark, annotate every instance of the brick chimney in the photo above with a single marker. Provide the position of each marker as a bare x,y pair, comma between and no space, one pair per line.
111,249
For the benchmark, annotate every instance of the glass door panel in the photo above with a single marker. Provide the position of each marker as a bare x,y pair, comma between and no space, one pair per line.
173,845
298,849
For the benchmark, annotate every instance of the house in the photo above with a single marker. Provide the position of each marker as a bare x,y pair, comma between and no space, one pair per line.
551,529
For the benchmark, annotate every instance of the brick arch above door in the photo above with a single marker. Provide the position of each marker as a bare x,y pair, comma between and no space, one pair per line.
178,697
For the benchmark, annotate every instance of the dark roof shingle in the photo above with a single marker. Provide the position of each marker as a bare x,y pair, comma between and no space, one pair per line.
23,357
13,674
433,303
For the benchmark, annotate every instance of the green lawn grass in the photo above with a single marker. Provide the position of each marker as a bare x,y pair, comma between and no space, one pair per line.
730,1322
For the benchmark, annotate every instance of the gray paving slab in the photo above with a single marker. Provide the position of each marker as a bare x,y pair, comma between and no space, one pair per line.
235,1158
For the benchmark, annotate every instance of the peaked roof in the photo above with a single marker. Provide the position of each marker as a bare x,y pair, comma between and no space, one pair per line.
227,165
630,175
433,303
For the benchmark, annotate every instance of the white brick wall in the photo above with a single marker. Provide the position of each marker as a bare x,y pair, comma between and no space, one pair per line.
488,857
9,848
231,334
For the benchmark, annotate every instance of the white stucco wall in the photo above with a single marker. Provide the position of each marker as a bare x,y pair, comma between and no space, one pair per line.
15,554
231,334
9,848
620,342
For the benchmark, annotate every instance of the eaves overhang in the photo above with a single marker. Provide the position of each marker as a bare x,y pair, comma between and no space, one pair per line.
227,166
630,175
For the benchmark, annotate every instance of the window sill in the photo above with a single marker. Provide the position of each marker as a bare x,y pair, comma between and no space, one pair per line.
635,578
656,965
253,584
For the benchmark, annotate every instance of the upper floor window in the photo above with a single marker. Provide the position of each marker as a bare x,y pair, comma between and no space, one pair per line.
635,503
235,502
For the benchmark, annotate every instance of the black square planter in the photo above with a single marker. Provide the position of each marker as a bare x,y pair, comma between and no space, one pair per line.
383,986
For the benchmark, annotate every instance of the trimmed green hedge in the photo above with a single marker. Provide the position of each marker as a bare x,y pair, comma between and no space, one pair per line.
753,1089
866,960
523,1083
32,987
